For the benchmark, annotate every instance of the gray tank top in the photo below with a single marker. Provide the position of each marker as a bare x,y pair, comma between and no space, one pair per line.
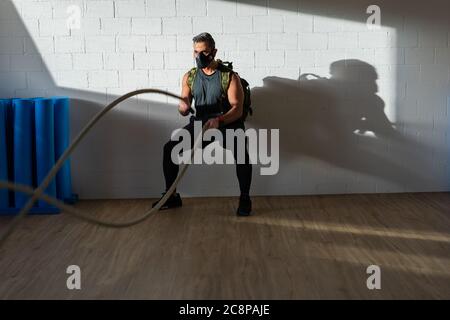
207,93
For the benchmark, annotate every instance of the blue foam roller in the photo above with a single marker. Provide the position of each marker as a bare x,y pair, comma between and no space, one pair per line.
4,193
10,147
45,145
23,111
62,141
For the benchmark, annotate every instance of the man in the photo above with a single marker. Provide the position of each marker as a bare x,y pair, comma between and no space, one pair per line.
213,110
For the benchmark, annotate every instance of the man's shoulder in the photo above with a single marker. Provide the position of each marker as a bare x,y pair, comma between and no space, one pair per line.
191,71
223,68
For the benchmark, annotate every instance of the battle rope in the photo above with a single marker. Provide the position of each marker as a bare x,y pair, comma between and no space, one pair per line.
39,192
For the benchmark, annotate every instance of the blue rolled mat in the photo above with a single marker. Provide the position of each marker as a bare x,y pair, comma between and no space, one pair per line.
4,193
10,147
45,145
62,141
23,113
34,133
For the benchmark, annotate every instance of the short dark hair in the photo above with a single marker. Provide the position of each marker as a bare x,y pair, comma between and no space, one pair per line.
205,37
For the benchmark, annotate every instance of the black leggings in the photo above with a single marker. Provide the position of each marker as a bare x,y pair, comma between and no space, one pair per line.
243,171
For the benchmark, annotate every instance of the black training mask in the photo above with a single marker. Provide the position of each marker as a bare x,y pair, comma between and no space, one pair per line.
203,60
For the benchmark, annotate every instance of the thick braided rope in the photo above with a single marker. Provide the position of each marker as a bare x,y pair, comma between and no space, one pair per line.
38,193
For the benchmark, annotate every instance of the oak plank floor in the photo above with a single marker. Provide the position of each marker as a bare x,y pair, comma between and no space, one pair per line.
294,247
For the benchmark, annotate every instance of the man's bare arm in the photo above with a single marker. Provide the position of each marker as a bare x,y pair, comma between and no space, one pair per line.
236,99
185,105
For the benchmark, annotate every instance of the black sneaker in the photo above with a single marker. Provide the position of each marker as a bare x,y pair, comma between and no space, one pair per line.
174,201
245,206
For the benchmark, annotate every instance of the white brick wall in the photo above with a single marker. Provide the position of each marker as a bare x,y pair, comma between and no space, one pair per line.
178,60
273,58
221,8
17,80
298,23
34,9
113,26
89,61
155,9
99,9
118,61
100,44
283,41
150,60
244,41
161,43
250,8
104,78
60,7
212,24
89,27
266,24
131,43
58,62
181,25
191,8
45,45
53,27
69,45
26,62
70,78
313,41
326,24
134,79
5,64
374,39
236,24
419,55
146,26
130,8
345,40
399,73
39,80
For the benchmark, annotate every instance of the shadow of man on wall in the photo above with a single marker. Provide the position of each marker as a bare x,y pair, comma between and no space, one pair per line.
340,120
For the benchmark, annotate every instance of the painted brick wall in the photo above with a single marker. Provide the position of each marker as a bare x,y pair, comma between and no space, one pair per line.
374,117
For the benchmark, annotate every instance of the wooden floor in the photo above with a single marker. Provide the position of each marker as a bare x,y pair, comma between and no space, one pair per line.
303,247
